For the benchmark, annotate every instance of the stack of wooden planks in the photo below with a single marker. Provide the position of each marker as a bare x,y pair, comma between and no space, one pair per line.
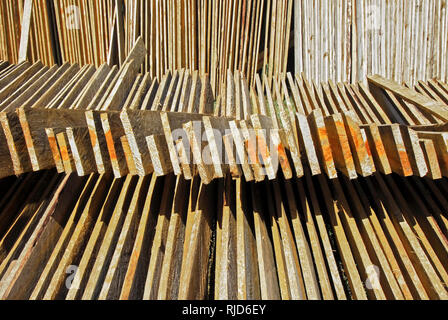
57,31
212,36
341,41
347,40
209,36
84,30
26,32
89,120
95,237
9,32
172,156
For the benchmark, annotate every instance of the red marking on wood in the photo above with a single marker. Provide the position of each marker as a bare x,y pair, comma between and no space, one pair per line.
252,151
64,153
344,144
283,159
369,152
380,148
326,148
111,145
54,148
93,137
263,148
405,163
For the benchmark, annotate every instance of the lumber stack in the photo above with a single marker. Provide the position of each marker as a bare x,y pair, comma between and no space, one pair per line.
57,31
163,150
10,34
95,237
209,36
338,41
347,40
84,30
89,120
26,32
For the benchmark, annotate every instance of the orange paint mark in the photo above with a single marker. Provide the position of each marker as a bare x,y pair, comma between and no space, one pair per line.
325,144
93,137
322,131
263,148
252,151
380,148
405,163
54,148
347,153
356,139
64,153
369,151
339,125
283,159
111,145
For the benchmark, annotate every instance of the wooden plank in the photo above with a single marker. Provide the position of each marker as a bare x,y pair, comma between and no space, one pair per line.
98,141
157,250
395,149
26,29
225,274
65,151
82,151
133,284
109,240
196,246
363,160
340,146
37,248
172,261
92,247
321,140
34,122
248,285
78,239
116,271
435,108
269,286
113,131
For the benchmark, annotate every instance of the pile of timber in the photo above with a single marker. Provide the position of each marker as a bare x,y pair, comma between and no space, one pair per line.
346,40
56,31
9,35
84,30
95,237
209,36
89,120
215,36
354,207
26,30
